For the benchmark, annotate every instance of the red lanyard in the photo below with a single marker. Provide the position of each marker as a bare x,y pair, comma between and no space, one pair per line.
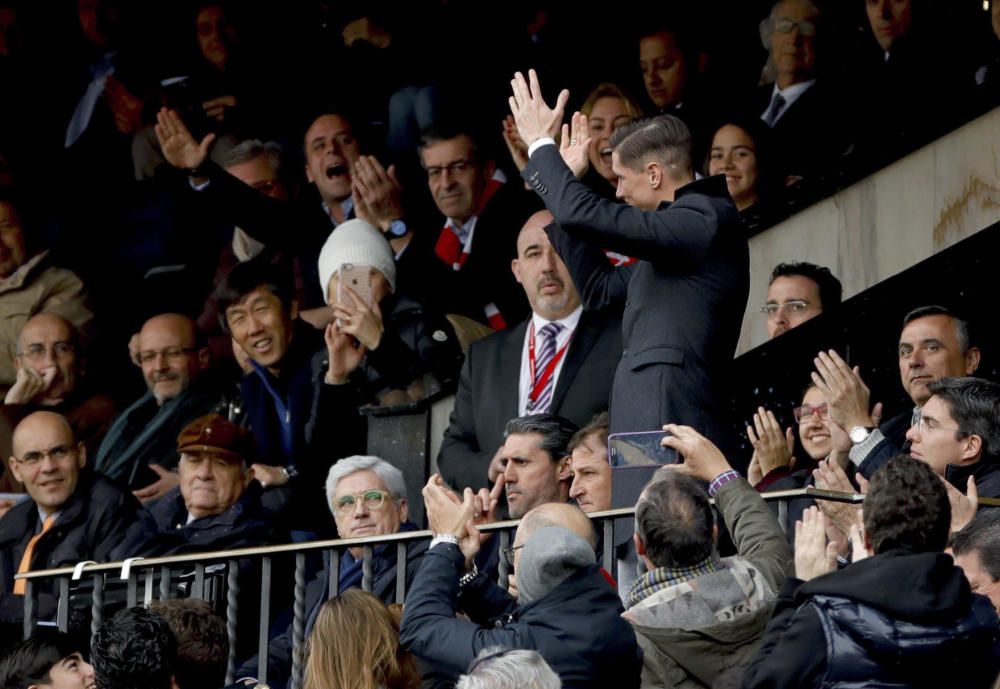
547,372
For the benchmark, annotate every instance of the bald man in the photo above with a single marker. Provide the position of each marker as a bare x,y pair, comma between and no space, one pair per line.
140,450
565,608
49,360
497,382
76,514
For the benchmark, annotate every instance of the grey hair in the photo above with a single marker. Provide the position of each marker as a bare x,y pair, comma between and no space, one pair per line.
767,25
499,668
390,475
664,138
251,149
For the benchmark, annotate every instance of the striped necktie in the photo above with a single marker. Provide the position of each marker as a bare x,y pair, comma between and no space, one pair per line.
29,552
546,352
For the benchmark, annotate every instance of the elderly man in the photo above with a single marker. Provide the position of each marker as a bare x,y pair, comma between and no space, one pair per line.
684,299
934,344
506,374
697,614
50,363
72,515
367,497
215,506
800,109
901,616
798,292
140,449
566,609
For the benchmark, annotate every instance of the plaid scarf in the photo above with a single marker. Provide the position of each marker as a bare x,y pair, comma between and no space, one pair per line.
665,577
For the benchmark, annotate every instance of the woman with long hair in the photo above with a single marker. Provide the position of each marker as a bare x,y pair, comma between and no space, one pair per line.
354,644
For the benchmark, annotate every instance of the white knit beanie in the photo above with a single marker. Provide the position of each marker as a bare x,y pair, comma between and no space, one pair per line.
357,242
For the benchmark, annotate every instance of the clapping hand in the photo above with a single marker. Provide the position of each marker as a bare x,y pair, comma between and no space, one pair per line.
845,393
575,144
378,191
814,556
772,448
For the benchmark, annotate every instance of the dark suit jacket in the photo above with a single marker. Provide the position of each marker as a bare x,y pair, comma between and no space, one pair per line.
488,392
809,138
683,299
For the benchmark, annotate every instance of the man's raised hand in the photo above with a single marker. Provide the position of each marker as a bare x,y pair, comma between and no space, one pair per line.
178,146
534,119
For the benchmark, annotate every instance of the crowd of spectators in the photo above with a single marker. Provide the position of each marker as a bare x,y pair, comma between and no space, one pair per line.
194,333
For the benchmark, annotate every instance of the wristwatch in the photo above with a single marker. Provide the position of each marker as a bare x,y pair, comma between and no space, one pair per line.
859,434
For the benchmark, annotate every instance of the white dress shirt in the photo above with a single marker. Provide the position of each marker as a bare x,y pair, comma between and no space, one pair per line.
569,324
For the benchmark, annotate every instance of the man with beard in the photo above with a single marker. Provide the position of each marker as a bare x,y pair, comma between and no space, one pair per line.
560,361
140,450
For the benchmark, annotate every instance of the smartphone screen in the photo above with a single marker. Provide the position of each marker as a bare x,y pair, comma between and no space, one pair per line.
640,449
358,278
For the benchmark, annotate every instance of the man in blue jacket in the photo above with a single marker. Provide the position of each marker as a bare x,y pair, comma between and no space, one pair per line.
565,608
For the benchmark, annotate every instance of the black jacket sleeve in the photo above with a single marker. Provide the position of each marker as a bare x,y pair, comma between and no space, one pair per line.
461,461
792,653
600,284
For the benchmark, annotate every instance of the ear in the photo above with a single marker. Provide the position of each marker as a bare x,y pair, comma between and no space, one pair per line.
12,463
248,477
17,367
972,360
204,358
404,511
514,268
81,454
293,310
309,175
565,469
640,547
654,173
973,447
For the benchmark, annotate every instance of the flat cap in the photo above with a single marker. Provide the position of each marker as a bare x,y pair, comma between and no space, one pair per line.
215,433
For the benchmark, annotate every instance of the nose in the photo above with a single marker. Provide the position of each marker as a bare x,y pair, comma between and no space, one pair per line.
916,360
360,509
913,435
161,361
88,672
253,324
48,464
510,473
575,489
619,192
885,10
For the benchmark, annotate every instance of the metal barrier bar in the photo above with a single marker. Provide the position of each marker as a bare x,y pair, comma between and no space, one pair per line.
298,619
607,557
367,569
62,612
198,590
132,598
401,555
165,582
232,614
97,603
147,593
333,586
503,570
30,607
265,618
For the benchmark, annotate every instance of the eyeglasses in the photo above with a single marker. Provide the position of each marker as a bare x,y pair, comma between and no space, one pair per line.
36,352
170,354
923,425
452,168
59,453
373,499
787,25
791,306
508,554
805,412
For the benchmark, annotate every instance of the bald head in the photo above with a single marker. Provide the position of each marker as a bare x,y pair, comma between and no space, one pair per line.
558,514
47,459
49,345
541,271
169,355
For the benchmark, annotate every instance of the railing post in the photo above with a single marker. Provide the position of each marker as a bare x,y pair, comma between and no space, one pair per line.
265,618
401,554
165,582
30,607
62,612
333,586
298,619
198,591
783,515
232,612
97,604
502,569
609,545
367,569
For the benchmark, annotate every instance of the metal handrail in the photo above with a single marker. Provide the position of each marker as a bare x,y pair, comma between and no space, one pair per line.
400,537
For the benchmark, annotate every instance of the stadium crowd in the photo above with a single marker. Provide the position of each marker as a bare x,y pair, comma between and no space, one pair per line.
229,232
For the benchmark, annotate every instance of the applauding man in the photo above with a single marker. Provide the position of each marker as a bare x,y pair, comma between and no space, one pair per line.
684,298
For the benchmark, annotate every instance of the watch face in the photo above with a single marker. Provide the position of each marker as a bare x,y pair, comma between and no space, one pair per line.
858,434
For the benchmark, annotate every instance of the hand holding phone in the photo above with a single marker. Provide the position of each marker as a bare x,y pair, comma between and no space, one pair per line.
359,279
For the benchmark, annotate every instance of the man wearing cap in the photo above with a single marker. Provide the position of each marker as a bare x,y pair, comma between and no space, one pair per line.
217,504
398,350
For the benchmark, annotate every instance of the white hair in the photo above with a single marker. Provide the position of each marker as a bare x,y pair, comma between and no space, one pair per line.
390,475
497,668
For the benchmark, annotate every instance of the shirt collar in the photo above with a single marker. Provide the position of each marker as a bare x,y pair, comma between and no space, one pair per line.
569,323
792,93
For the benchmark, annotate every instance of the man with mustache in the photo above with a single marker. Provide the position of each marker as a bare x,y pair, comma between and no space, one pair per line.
560,361
140,449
